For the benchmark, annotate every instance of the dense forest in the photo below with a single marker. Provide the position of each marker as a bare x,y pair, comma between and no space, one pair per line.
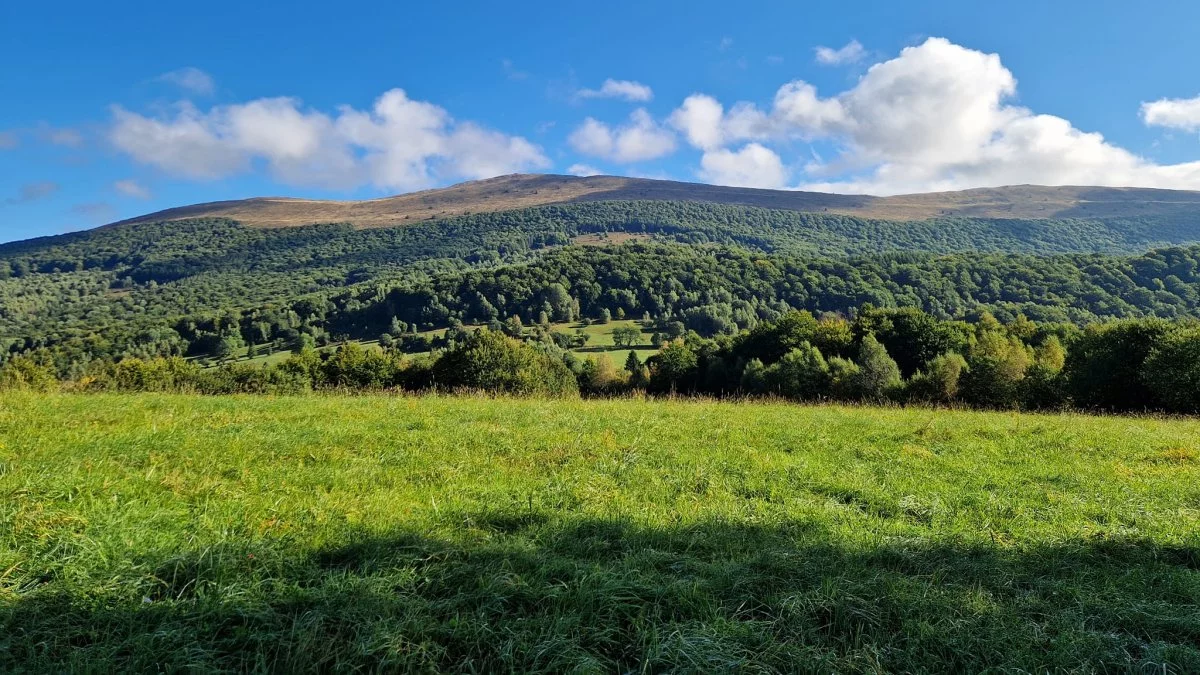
900,355
711,290
691,272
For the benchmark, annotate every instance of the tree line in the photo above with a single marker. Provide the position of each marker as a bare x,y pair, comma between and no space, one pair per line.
898,355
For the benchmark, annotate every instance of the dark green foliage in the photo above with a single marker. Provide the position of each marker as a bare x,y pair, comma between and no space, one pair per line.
878,376
1020,364
626,336
800,374
914,336
1172,371
720,283
674,368
162,289
997,363
1104,365
494,362
1044,386
939,380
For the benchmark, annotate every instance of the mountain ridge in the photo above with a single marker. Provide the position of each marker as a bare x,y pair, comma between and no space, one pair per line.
517,191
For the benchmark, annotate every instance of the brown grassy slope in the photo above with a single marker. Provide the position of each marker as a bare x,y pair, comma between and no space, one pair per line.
526,190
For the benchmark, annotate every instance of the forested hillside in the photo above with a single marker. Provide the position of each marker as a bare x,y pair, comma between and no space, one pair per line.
209,288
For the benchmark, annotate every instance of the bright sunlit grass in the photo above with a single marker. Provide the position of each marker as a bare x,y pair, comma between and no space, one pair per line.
471,534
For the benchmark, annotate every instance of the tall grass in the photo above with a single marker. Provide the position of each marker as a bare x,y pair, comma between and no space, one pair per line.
378,533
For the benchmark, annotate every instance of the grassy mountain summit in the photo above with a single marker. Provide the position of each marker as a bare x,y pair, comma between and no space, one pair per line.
519,191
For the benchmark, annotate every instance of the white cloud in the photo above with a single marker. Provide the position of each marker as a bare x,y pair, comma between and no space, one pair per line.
752,166
191,144
8,140
700,120
190,79
703,122
641,139
131,188
400,143
851,52
726,44
936,117
1173,113
583,170
623,89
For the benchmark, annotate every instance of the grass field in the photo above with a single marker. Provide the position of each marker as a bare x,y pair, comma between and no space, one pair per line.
151,532
600,342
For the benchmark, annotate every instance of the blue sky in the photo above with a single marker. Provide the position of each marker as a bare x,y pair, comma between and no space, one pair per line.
116,109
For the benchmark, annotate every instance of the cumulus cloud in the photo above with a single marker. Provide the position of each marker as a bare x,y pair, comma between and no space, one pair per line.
753,166
936,117
190,79
851,52
1173,113
704,123
32,192
640,139
700,119
400,143
583,170
131,188
623,89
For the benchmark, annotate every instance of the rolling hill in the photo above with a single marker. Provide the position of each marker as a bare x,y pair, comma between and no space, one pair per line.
519,191
714,259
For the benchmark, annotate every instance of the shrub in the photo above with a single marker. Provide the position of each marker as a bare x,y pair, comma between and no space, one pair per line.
249,379
997,368
495,362
173,374
674,368
23,372
598,375
754,377
939,380
801,374
843,377
1104,365
878,376
1172,371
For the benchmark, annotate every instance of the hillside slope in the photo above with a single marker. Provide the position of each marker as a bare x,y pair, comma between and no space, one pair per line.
527,190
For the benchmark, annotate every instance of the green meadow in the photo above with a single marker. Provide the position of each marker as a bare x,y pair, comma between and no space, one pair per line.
600,343
433,533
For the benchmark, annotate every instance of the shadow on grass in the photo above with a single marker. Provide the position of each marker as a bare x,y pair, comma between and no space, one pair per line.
534,592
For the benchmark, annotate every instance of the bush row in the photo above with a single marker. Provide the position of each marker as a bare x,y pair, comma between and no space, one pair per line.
899,355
